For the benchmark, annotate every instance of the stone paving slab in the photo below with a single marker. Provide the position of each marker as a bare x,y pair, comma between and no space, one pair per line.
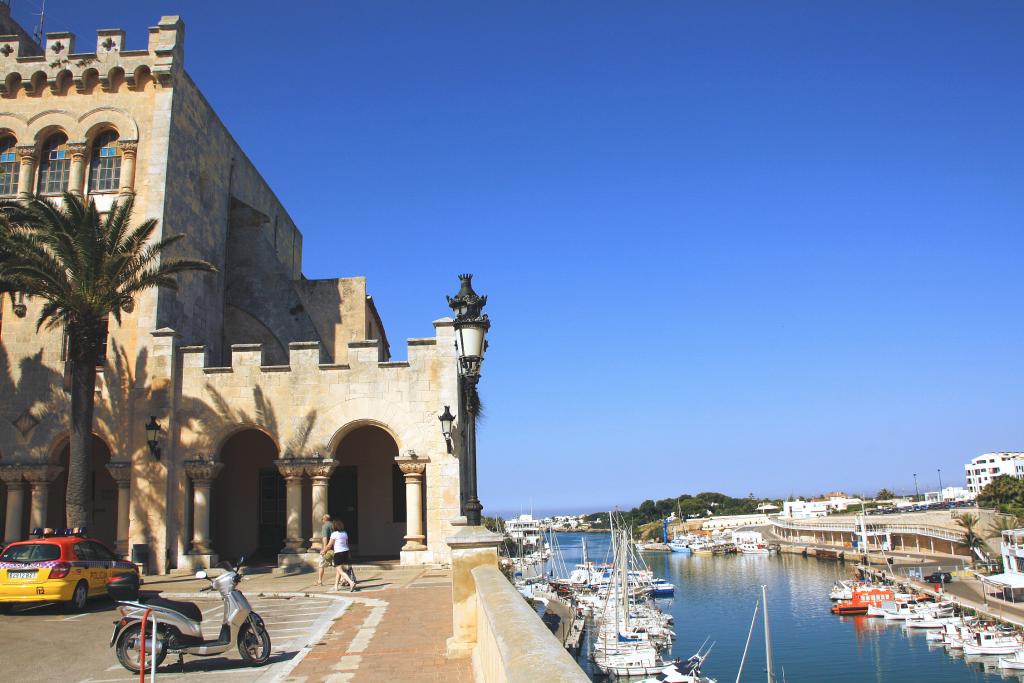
398,634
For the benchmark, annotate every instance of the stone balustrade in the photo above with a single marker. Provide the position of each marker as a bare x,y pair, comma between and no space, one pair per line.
512,644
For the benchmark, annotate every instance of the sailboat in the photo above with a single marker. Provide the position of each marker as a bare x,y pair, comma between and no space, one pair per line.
629,639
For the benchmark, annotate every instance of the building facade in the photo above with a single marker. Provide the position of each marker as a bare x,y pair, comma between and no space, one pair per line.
982,470
276,395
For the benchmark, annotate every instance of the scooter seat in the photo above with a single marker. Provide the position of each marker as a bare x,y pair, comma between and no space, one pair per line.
187,609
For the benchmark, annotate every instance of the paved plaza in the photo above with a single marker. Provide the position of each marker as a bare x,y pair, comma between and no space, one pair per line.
394,628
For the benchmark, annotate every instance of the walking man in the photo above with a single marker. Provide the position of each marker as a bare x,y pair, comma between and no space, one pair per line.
326,559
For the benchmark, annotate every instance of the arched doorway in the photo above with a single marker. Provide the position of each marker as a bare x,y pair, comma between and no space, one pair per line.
247,515
104,494
366,492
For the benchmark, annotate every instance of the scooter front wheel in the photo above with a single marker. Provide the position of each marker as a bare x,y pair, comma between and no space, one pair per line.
128,650
254,643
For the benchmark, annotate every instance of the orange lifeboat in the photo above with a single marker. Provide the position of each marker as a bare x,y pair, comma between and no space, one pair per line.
862,599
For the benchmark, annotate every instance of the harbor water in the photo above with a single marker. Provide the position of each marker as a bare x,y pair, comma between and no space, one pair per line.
715,598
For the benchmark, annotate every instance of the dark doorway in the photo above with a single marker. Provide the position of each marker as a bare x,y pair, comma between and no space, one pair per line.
363,493
272,507
343,502
247,506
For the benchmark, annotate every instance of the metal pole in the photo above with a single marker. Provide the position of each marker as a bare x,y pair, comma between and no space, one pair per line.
940,484
767,635
473,506
463,422
152,655
917,491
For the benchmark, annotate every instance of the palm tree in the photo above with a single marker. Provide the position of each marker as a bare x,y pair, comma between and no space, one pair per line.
1002,523
969,523
84,266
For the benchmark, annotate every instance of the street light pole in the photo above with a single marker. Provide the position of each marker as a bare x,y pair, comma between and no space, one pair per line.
917,491
471,325
940,483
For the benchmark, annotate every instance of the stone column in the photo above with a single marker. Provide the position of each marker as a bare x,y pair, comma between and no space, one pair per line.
413,469
129,149
292,470
121,471
27,172
40,477
11,475
76,177
202,473
320,473
472,547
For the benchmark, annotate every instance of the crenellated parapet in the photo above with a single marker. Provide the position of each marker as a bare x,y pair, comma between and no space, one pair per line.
61,67
307,356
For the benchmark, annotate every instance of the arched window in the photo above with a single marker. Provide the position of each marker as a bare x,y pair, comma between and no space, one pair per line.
9,167
54,165
105,164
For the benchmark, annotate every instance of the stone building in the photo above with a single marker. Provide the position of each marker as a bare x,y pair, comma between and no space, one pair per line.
276,395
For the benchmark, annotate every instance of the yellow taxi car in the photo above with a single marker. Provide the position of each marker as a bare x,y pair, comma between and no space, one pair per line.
57,566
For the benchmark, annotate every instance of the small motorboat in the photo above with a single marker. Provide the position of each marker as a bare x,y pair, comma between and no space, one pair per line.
682,672
992,642
842,590
660,588
929,621
1014,661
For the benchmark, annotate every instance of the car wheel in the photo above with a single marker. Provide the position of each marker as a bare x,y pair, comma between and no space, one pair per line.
78,598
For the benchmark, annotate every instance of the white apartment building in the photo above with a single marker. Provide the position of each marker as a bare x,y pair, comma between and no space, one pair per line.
950,494
988,466
805,509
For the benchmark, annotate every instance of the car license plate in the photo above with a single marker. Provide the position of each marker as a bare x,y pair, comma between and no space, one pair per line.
12,574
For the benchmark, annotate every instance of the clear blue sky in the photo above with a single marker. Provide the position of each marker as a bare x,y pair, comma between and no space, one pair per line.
737,246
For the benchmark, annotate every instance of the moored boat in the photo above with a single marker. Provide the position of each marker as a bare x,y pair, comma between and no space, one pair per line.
864,597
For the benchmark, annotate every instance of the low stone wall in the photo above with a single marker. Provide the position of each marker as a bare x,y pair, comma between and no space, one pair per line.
513,644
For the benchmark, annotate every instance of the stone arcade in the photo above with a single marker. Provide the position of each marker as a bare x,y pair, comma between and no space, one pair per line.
276,394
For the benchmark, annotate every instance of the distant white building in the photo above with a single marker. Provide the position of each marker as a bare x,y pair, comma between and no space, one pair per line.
734,522
841,503
950,494
983,469
1011,582
804,509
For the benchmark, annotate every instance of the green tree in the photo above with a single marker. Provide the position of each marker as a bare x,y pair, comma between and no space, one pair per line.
1003,492
84,266
885,494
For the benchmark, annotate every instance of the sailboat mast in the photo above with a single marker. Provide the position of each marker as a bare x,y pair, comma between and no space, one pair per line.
623,553
767,635
750,634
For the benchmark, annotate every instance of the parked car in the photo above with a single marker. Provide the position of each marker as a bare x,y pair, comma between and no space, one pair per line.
57,566
939,577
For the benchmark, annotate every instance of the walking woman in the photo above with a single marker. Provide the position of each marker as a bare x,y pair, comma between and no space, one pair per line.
339,544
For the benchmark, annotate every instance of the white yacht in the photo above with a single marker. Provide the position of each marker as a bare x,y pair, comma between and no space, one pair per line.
524,531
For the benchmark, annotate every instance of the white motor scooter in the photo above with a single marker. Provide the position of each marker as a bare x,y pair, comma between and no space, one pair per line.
179,624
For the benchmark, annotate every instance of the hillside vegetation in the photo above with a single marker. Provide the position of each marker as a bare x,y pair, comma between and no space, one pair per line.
710,503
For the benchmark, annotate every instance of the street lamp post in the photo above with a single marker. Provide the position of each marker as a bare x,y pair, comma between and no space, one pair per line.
917,491
940,484
152,437
471,325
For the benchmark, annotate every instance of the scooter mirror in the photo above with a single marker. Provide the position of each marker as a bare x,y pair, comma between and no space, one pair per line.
200,574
